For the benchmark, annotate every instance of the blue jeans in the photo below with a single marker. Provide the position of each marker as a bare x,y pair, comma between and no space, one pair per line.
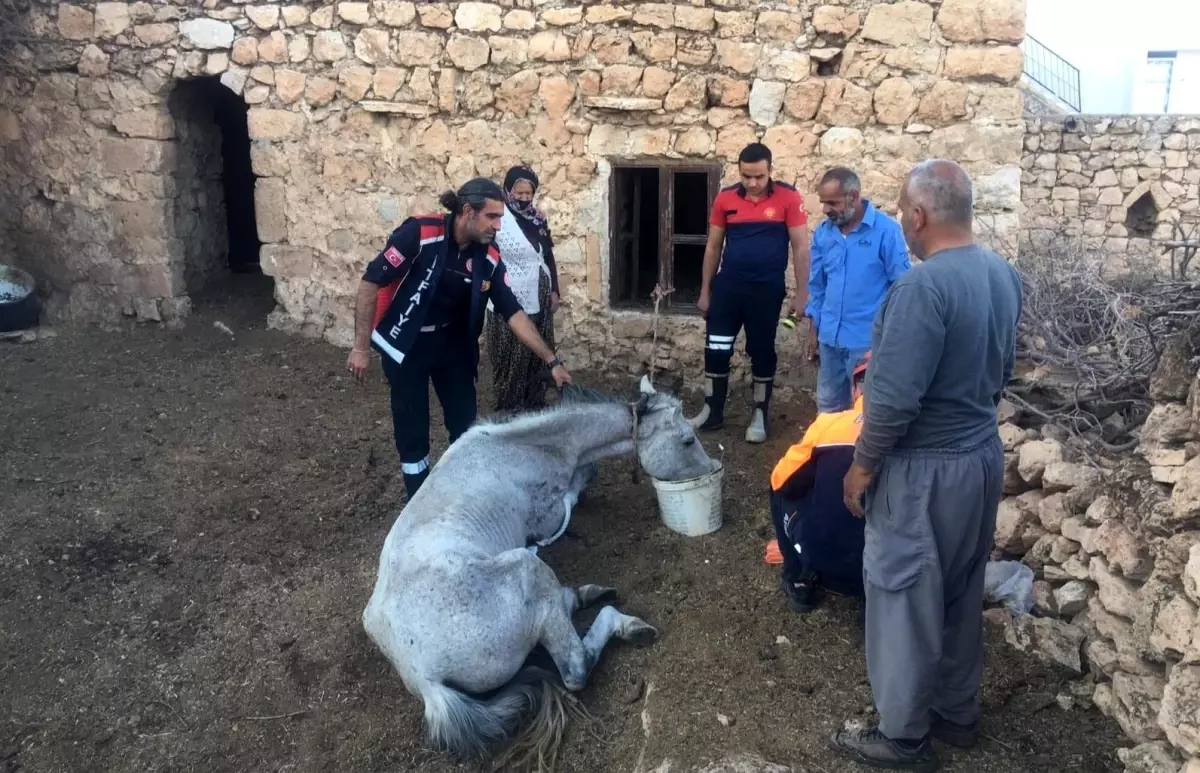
834,378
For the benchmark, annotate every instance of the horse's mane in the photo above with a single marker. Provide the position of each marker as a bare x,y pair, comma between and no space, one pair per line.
571,396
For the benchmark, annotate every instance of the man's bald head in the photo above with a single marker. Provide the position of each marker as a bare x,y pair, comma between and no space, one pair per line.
937,206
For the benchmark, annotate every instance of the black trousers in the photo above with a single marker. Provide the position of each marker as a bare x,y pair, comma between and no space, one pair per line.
733,306
447,358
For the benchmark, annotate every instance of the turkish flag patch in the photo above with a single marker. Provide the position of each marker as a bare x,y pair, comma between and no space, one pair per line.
393,256
507,281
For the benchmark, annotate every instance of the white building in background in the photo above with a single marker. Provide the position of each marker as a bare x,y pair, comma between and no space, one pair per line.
1133,56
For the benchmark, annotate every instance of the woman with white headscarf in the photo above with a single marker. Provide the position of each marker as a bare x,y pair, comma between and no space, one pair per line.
519,379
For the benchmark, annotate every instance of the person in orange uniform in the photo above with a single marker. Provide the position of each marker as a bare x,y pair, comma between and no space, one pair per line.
820,541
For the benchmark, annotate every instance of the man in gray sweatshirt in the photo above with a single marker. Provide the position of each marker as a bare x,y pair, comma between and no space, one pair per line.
928,474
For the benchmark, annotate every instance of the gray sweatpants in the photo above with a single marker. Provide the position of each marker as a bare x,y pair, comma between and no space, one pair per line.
930,521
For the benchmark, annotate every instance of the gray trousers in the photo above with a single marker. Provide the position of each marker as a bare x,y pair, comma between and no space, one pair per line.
930,522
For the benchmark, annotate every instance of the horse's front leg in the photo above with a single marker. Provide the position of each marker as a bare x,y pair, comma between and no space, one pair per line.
575,656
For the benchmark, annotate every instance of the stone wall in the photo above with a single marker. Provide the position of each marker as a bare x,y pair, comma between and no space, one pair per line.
1117,556
361,112
1121,184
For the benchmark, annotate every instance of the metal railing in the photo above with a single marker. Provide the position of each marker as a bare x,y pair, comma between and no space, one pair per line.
1053,73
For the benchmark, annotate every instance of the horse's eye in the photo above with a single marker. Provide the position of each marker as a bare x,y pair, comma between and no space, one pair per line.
690,441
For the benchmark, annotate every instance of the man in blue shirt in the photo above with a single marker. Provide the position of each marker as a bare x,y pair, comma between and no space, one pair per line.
857,253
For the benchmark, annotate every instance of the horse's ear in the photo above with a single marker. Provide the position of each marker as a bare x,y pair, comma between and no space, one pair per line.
642,405
647,388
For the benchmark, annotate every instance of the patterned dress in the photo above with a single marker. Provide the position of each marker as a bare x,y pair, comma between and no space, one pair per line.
519,378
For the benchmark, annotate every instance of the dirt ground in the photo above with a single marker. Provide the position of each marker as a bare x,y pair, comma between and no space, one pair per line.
189,529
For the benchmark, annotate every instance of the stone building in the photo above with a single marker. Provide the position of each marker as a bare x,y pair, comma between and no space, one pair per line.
355,114
1120,184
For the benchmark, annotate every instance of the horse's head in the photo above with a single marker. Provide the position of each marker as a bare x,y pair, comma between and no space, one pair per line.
667,446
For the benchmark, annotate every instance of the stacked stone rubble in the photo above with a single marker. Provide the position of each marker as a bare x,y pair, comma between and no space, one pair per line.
1117,559
362,112
1082,174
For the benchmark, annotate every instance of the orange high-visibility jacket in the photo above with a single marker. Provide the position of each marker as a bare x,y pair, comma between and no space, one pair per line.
827,430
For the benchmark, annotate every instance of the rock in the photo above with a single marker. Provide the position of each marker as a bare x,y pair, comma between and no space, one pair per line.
1101,510
1001,64
478,17
75,23
726,721
1013,482
1138,700
1126,553
1180,713
396,13
1125,644
468,53
329,46
766,100
841,142
268,124
1063,476
1005,411
1191,574
1118,595
1038,555
1036,456
836,22
1072,598
899,24
355,13
93,62
1167,425
895,101
1013,518
1063,548
1185,497
1044,603
978,21
1052,510
1175,630
1149,758
208,34
265,17
1053,641
372,46
112,19
1073,529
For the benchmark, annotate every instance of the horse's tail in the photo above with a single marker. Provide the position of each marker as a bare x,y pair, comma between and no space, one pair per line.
524,721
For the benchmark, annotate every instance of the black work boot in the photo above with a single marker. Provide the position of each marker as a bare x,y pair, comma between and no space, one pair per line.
803,596
712,415
757,431
871,747
952,733
412,482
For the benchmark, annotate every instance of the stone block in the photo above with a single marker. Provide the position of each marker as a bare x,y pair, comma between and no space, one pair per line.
112,19
264,17
695,19
1036,456
418,49
738,56
268,124
1072,598
1174,629
899,24
75,23
295,15
478,17
841,142
289,85
1002,64
1050,640
551,46
395,13
1191,574
372,46
270,209
661,15
895,101
845,104
151,123
207,34
286,261
978,21
1185,497
355,13
134,220
766,101
1137,705
1013,518
1064,476
329,46
276,49
1148,758
1118,595
1180,709
835,21
120,156
93,62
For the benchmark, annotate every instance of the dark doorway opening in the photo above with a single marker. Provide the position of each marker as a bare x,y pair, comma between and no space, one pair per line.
1142,217
659,226
214,193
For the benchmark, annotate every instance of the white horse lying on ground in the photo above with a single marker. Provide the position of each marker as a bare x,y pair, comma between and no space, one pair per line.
460,602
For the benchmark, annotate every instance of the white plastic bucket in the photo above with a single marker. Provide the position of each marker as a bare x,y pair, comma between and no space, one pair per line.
691,507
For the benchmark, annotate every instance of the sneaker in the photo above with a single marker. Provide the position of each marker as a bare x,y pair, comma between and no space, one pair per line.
803,597
953,734
873,748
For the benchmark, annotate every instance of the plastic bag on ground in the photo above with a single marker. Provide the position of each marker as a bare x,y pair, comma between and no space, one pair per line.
1009,583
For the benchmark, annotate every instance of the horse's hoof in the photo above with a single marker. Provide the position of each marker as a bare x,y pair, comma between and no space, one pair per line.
591,595
641,634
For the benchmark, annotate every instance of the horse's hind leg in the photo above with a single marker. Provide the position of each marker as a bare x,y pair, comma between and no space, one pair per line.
591,595
575,656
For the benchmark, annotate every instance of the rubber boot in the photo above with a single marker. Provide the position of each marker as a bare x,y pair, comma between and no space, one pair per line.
757,431
712,415
413,482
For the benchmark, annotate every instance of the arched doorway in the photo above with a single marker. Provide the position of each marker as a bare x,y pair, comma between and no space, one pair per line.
214,197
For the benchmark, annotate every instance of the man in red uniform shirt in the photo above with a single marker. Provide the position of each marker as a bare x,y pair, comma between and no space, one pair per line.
755,221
